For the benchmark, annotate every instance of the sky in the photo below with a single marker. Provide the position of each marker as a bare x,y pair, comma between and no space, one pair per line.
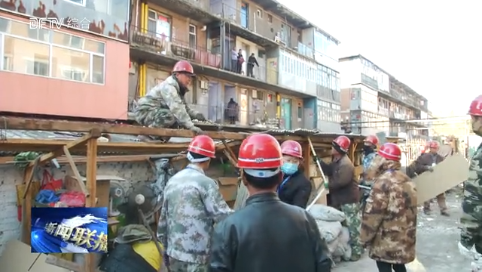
431,46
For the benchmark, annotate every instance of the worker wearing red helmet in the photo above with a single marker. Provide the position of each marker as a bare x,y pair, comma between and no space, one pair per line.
344,192
192,204
426,162
267,234
295,189
164,105
392,204
369,152
470,237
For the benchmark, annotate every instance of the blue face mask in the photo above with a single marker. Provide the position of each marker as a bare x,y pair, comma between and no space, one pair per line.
289,168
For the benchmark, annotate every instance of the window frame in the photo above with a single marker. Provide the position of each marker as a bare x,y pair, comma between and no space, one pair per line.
83,4
192,33
51,44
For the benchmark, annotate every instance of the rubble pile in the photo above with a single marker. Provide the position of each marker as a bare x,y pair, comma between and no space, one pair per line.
329,221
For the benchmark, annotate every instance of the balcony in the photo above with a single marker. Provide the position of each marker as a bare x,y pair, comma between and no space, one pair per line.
155,48
262,29
198,10
159,44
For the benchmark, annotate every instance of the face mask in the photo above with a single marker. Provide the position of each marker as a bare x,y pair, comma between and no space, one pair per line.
289,168
367,149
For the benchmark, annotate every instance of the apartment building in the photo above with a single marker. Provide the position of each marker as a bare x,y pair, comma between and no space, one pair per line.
295,85
64,57
375,101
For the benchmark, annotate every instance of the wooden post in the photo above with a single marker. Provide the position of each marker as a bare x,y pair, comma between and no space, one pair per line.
27,205
307,159
91,178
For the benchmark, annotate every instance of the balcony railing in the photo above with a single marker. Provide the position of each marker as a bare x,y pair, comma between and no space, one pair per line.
242,117
158,43
265,73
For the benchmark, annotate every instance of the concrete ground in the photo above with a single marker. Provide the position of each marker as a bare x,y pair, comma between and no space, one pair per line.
437,238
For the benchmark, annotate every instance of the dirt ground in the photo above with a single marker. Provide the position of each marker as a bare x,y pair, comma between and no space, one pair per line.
437,238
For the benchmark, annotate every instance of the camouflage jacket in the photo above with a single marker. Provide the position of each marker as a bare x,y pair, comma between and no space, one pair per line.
472,203
167,95
389,220
192,205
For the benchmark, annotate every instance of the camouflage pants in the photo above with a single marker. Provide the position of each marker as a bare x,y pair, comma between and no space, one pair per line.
353,223
178,266
155,117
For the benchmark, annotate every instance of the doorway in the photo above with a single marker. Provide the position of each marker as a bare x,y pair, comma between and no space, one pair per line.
244,15
245,52
286,113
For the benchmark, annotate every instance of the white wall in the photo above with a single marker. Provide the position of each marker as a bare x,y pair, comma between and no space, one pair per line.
350,73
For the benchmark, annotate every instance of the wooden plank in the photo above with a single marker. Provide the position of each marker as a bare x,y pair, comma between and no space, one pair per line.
83,159
23,145
76,126
52,155
76,171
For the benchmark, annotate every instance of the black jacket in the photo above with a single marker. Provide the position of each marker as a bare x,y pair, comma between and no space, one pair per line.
268,235
342,183
296,191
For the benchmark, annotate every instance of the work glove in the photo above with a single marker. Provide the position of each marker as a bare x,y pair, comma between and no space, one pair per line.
429,168
196,130
200,117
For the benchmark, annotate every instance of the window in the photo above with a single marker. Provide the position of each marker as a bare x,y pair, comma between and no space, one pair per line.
37,68
70,64
300,112
270,18
78,59
77,2
159,24
19,55
192,36
259,13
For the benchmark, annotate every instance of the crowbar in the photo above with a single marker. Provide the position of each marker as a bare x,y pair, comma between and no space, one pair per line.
320,193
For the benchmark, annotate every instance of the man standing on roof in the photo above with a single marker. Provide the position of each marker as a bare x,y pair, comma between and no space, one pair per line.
426,162
192,205
164,105
344,192
267,234
369,152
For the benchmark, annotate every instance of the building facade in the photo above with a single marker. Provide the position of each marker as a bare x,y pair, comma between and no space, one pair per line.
294,85
65,57
374,101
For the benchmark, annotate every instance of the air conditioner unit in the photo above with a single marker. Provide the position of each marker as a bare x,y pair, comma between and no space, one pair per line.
204,85
232,17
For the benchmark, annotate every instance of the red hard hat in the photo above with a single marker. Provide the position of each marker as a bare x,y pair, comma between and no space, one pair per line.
433,144
343,142
183,66
390,151
476,106
259,151
202,145
291,148
372,139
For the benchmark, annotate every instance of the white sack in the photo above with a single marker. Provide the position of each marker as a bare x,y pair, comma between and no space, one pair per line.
325,213
332,246
329,230
343,249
